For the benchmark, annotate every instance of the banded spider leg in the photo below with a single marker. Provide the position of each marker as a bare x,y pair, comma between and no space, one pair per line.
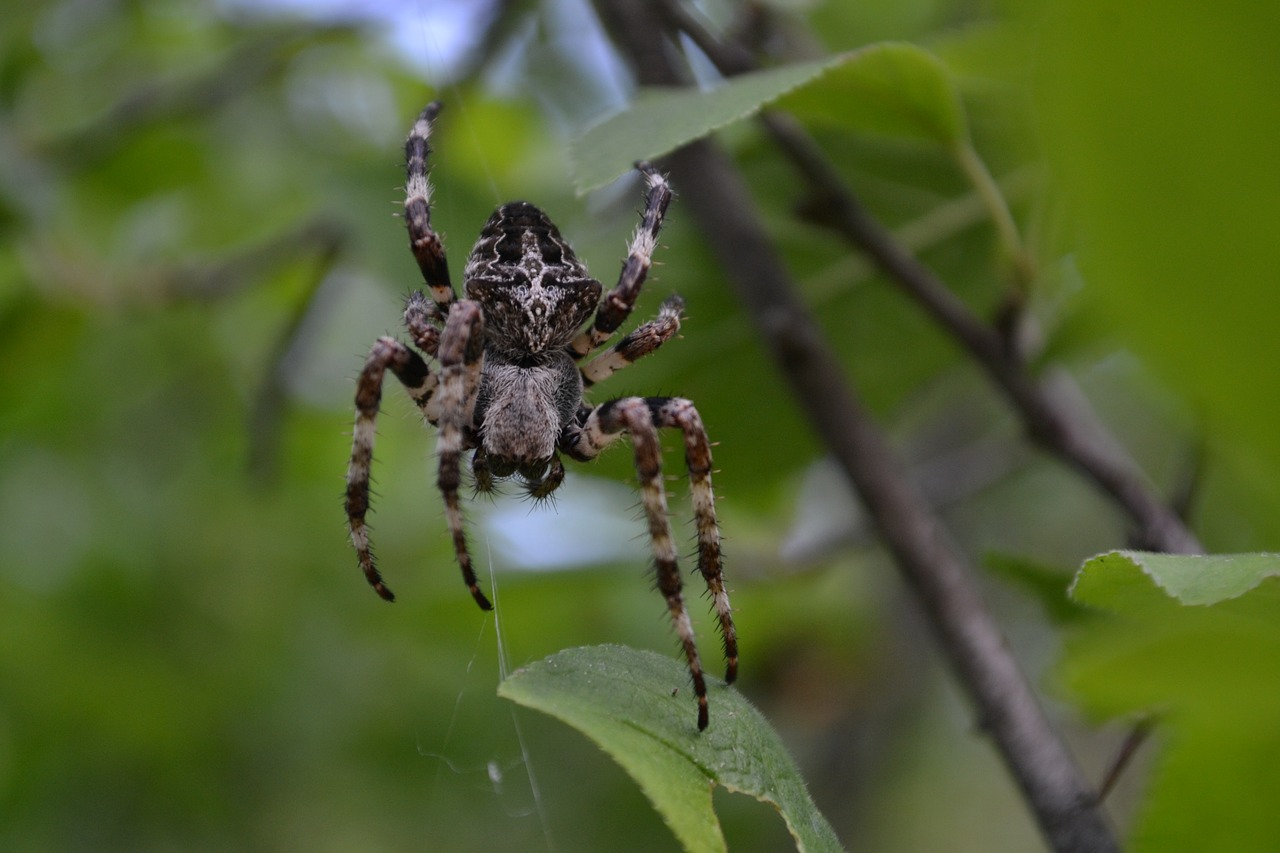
641,418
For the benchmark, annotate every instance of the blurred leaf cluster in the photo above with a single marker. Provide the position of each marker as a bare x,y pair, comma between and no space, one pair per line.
197,245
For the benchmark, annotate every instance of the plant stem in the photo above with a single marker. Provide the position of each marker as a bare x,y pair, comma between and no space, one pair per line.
975,169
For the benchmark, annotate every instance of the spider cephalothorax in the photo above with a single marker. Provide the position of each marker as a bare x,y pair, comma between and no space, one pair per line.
534,291
509,382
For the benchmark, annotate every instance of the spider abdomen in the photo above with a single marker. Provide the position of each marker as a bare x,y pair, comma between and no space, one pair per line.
523,408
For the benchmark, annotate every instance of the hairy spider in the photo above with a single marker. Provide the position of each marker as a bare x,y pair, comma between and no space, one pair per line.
510,382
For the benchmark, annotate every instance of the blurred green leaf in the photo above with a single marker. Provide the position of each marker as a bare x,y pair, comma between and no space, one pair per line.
1196,639
627,701
892,88
661,120
1160,122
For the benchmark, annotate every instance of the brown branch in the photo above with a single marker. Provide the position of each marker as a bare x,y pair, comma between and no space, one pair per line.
1069,433
1053,426
1053,786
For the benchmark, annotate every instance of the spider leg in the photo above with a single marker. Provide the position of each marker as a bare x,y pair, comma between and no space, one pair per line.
641,418
617,303
421,384
637,344
423,319
423,240
680,413
461,359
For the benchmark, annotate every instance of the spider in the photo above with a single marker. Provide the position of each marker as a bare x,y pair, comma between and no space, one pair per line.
510,378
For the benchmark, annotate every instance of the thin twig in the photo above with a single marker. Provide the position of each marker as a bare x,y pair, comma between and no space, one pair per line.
1128,749
1065,427
1053,786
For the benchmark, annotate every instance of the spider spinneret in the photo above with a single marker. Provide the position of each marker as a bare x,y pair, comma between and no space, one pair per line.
510,377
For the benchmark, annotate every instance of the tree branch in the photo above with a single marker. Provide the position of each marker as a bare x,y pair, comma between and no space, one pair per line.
1073,435
944,585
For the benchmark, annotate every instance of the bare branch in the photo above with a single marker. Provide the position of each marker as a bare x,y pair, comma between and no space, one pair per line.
1069,432
1009,711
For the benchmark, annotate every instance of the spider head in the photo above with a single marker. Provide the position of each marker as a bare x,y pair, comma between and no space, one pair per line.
534,291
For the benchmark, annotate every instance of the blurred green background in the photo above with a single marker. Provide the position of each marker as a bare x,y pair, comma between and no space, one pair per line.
197,246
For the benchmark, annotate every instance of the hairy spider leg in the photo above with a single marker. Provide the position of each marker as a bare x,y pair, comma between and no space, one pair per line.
425,243
461,360
636,344
679,413
423,319
616,305
641,418
421,384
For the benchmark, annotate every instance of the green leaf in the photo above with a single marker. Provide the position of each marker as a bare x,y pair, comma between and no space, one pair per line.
637,707
1169,155
1196,640
892,88
1120,579
663,119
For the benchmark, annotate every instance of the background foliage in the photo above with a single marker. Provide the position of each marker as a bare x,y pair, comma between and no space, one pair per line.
197,250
